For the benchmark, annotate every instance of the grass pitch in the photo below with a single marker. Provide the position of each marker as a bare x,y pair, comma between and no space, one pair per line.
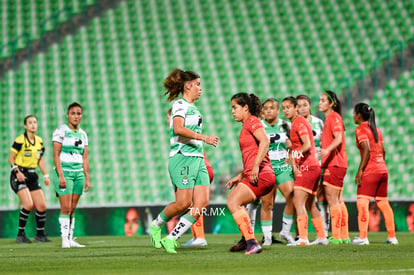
135,255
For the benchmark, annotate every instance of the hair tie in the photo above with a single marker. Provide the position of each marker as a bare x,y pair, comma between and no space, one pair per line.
333,101
369,109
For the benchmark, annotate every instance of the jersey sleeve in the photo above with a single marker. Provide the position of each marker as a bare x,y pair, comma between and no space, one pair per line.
254,124
360,135
42,149
86,139
179,108
17,144
58,135
336,124
301,130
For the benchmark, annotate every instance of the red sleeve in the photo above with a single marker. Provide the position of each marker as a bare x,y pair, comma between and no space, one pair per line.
336,124
253,125
360,135
303,130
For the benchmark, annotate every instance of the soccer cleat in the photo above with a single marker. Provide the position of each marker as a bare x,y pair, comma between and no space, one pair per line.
41,239
359,241
267,242
240,246
346,241
286,236
65,243
169,245
155,234
299,242
253,247
21,238
332,240
195,242
73,243
318,241
392,241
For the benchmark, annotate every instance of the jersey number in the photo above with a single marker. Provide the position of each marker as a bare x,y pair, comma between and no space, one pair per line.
184,170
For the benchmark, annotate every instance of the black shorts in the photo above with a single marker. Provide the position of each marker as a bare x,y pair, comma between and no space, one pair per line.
31,181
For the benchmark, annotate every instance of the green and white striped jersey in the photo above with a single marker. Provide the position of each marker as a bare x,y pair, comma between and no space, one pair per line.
73,144
193,121
317,127
277,135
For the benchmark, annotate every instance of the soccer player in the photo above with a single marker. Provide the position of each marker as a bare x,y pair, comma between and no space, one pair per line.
307,173
372,175
71,176
186,166
257,178
304,109
334,164
25,155
277,131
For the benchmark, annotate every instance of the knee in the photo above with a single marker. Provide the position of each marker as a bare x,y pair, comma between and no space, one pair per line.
267,206
41,207
183,204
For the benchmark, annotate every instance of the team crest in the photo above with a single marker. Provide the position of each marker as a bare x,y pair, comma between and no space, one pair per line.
185,180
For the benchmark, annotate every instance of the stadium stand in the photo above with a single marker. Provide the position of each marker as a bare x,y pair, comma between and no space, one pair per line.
115,67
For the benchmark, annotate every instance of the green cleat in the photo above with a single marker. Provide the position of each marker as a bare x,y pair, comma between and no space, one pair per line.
169,245
155,234
346,241
334,241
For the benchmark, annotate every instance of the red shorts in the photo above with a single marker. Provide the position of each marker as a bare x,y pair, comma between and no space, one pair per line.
267,181
333,176
373,186
209,169
307,180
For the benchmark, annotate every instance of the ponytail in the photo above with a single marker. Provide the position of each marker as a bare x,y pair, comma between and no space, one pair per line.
251,100
174,82
367,114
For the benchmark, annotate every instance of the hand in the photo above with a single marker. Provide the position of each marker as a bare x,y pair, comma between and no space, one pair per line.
47,181
254,176
20,177
231,183
62,182
86,186
288,144
323,152
358,178
212,140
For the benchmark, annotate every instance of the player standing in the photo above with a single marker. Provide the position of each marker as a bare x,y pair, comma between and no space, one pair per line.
372,175
334,164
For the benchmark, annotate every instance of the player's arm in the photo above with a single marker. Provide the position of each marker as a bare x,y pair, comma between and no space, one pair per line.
364,161
263,148
306,144
15,169
181,130
57,149
42,168
334,144
85,166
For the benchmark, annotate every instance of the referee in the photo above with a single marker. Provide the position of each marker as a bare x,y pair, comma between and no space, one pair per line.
25,155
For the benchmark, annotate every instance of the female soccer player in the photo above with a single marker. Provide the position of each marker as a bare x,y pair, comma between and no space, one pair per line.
198,227
71,176
257,178
187,169
307,173
25,155
372,175
277,131
334,164
304,109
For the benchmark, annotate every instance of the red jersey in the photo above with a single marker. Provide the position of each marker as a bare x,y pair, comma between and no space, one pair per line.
301,127
376,162
337,157
249,145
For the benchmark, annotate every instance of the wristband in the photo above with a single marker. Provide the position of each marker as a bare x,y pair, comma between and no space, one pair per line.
13,166
46,175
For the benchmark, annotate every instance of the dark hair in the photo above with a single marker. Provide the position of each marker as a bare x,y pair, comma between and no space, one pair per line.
291,99
73,105
251,100
367,114
273,100
174,82
27,117
304,97
333,98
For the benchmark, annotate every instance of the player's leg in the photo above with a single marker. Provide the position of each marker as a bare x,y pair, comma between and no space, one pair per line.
27,204
332,195
317,221
266,215
286,188
39,201
299,199
322,205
